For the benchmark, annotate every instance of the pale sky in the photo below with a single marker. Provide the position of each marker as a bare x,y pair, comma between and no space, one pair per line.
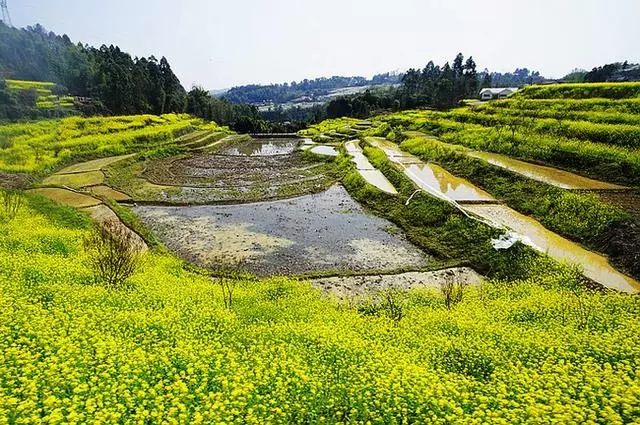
219,44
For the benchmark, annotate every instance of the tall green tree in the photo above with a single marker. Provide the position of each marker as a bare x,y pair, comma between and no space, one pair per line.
470,78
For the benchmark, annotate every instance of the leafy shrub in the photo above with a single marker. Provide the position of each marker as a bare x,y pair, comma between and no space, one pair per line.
452,289
113,254
12,201
393,302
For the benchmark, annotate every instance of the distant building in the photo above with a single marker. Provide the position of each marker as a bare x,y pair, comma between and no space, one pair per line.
497,93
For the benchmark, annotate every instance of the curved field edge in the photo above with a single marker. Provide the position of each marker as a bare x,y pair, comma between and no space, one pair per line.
529,349
580,216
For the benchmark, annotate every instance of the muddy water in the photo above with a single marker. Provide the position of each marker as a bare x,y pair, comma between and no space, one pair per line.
358,158
368,171
431,177
552,176
327,231
325,150
262,147
594,266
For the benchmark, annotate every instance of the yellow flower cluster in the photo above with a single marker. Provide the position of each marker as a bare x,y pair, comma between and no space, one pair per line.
338,125
168,351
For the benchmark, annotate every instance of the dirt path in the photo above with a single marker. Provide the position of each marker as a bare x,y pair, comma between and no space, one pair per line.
357,286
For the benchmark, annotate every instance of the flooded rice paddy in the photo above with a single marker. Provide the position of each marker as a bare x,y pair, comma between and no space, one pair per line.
368,171
261,147
431,177
594,265
325,150
549,175
326,231
248,171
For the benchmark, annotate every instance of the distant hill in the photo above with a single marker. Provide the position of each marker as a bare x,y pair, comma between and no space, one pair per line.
306,91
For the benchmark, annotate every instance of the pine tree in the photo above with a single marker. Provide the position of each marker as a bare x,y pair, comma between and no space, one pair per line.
470,78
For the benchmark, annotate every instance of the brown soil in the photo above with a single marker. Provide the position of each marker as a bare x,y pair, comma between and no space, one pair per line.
15,180
628,200
210,170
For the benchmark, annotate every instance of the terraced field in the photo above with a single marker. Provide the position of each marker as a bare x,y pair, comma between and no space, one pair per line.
232,169
417,267
539,168
45,98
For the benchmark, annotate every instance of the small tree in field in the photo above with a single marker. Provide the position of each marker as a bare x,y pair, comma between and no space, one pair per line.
393,302
114,253
12,201
452,289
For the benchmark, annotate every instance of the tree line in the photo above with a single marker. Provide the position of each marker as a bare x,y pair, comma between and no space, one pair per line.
311,89
118,83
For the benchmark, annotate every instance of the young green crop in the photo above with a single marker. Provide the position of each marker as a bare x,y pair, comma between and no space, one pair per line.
563,110
627,135
327,126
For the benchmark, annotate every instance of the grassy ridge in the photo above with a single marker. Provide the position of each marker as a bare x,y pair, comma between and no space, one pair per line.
626,135
582,91
168,349
625,106
558,111
578,216
597,160
44,146
45,97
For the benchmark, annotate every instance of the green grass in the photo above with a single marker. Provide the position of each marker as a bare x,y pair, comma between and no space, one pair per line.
626,135
582,91
45,97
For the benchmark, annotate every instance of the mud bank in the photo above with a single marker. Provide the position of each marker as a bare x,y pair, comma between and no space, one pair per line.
354,286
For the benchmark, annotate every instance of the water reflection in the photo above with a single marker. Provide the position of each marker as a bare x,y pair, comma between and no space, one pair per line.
595,266
262,147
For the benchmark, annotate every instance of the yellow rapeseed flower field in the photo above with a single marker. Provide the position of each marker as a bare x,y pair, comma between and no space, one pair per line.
168,351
